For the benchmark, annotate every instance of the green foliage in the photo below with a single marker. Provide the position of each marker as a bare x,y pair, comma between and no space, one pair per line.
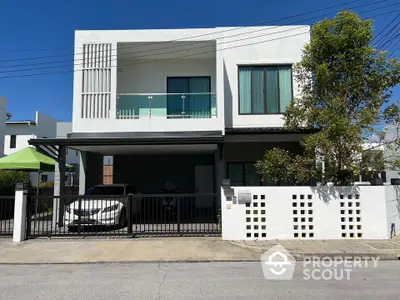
9,179
345,93
47,184
276,166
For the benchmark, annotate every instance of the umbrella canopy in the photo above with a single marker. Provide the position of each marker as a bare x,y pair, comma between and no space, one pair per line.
28,159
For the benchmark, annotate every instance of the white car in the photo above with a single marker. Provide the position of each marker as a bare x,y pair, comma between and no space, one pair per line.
105,205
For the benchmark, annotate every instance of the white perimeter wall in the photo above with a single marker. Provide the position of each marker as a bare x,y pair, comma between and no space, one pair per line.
309,212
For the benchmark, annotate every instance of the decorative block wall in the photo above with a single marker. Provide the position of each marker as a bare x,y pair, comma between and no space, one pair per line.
306,212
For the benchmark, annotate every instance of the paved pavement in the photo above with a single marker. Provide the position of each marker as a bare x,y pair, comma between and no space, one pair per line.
238,280
91,250
386,249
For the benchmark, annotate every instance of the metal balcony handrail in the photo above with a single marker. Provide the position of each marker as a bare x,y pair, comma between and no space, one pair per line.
161,94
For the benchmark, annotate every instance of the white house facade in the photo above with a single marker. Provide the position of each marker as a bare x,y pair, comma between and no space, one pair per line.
183,107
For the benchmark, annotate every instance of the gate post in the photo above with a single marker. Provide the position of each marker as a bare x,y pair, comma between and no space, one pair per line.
129,211
19,230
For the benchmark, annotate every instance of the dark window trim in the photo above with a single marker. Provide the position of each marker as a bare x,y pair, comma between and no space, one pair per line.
13,141
188,78
243,164
251,66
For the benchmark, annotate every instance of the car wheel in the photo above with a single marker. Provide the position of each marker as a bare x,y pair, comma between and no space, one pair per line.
122,218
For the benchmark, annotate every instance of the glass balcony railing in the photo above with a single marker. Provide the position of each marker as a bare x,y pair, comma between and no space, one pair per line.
171,105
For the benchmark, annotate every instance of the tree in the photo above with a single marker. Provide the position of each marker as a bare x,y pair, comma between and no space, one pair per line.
275,167
344,94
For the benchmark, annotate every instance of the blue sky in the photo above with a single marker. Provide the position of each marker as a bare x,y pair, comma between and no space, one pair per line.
48,28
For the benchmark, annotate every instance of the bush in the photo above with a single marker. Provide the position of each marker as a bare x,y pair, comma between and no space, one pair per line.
276,166
9,179
47,184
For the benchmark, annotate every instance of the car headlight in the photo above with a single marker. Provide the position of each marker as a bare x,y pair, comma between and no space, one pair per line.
111,208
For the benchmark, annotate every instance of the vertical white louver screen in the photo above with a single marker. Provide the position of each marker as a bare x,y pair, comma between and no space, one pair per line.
96,81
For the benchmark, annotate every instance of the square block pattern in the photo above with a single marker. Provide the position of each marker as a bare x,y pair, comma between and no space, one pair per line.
256,217
350,216
303,216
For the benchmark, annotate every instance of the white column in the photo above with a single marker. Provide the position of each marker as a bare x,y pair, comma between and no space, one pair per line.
82,173
19,233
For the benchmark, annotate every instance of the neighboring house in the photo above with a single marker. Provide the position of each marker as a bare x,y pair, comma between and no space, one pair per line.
18,133
72,156
4,116
181,108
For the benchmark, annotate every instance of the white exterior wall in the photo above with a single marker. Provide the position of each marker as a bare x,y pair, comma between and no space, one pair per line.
263,46
3,118
320,214
46,126
22,138
151,77
234,46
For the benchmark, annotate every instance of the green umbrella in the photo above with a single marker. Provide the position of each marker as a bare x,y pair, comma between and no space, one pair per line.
28,159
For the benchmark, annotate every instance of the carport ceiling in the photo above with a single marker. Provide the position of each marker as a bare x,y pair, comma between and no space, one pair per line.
149,149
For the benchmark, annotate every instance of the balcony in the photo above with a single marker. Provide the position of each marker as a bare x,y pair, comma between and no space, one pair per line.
166,106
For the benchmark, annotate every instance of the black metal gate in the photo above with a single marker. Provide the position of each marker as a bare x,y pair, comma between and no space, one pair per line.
6,215
131,215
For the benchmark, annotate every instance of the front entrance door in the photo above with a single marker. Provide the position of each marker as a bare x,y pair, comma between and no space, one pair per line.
204,182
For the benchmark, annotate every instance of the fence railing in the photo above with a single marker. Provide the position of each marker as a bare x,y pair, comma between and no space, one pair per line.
167,105
6,215
189,214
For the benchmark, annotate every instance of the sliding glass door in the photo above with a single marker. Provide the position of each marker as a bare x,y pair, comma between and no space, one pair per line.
196,100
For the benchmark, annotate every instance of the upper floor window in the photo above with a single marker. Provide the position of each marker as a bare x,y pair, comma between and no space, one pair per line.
264,89
44,178
13,141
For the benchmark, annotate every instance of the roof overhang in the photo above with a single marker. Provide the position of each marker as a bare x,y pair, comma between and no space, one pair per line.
137,138
21,122
267,130
85,141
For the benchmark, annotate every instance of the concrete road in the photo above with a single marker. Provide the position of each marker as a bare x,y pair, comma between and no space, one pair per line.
188,281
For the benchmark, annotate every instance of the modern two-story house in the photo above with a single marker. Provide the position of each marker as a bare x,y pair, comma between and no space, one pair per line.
183,108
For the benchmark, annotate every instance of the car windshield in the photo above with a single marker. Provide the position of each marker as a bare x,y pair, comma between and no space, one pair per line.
105,190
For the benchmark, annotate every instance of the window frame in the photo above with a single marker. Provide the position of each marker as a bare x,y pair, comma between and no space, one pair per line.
260,66
243,166
13,141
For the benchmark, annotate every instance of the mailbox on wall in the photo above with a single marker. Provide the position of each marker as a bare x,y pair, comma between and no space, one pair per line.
244,197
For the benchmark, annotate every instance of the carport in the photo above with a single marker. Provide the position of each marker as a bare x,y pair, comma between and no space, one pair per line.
191,161
183,167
